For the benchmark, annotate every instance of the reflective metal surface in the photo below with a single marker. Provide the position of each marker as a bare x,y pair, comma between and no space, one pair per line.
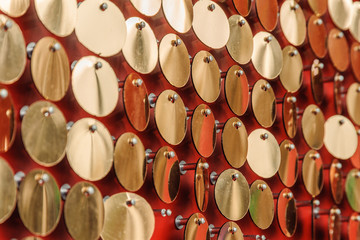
336,181
317,35
289,115
317,87
354,227
226,233
263,103
312,173
353,102
243,7
312,126
267,12
355,159
287,212
355,59
340,12
334,224
338,94
147,7
291,74
288,170
14,8
202,185
355,21
352,189
195,230
338,50
319,7
179,14
8,191
7,120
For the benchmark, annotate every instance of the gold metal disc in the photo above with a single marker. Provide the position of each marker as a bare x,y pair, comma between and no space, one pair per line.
202,185
84,211
174,60
243,7
44,134
338,50
261,204
95,86
289,115
355,21
287,212
340,12
139,33
291,74
355,159
237,90
312,173
336,181
59,17
232,192
147,7
240,44
39,202
101,31
355,59
196,231
263,102
90,149
12,51
354,227
317,35
267,12
312,125
353,102
263,153
166,174
352,189
210,24
226,234
170,117
338,94
319,7
8,121
334,223
341,139
205,74
50,69
267,55
123,220
179,14
288,171
8,191
129,161
14,8
317,86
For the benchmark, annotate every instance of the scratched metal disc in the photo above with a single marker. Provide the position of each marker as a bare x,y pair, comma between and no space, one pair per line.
288,170
355,21
312,173
196,231
8,191
226,233
14,8
341,12
179,14
291,75
312,126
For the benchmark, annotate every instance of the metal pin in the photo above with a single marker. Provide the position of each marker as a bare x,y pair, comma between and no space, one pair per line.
176,42
49,111
106,198
213,230
23,111
206,112
30,49
87,191
18,177
341,122
3,93
69,125
261,187
268,39
295,7
211,7
42,178
315,111
140,25
237,125
184,167
213,177
315,156
314,202
239,73
64,190
152,99
149,155
357,174
173,98
264,136
219,126
290,146
356,218
242,22
235,176
103,6
164,212
200,221
209,59
339,78
137,82
93,128
293,53
288,195
340,35
318,21
73,64
180,222
130,202
266,86
55,47
132,141
98,65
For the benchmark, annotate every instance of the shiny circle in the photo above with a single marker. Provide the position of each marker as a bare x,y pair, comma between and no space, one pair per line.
147,7
8,191
243,7
340,12
196,231
352,189
336,181
8,122
355,59
354,227
291,75
288,170
287,212
263,103
319,7
225,234
312,126
338,50
179,14
355,21
202,185
353,102
14,8
317,87
355,159
312,173
267,12
289,115
317,35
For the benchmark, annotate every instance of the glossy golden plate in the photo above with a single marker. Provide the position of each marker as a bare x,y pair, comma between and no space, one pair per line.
355,21
317,35
355,159
289,115
334,223
8,121
288,170
14,8
312,126
317,86
227,234
354,227
355,59
352,189
179,14
291,74
338,93
341,12
147,7
267,12
338,50
8,191
202,185
336,181
312,173
353,102
194,230
243,7
263,102
319,7
287,212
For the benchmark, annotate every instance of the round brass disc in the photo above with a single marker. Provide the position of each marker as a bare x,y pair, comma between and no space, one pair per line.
352,189
170,117
334,224
179,14
353,102
287,212
232,193
174,60
129,162
205,74
101,31
203,130
312,125
44,134
237,90
50,69
195,231
12,52
291,75
355,21
267,12
95,89
8,122
126,221
289,115
166,175
39,202
317,35
202,185
14,8
340,12
261,204
59,17
142,59
226,234
336,179
312,173
338,94
264,153
354,227
288,171
263,102
84,211
211,25
319,7
317,86
243,7
90,152
8,191
234,141
267,56
338,50
340,138
240,44
147,7
355,59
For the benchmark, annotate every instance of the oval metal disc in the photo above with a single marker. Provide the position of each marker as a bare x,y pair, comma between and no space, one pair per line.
210,24
203,130
84,211
240,44
334,224
338,50
354,227
263,153
312,126
136,221
232,193
44,134
338,94
170,117
355,21
261,204
202,185
234,141
174,60
166,175
243,7
196,231
352,189
319,7
205,74
317,86
129,162
139,33
267,55
267,12
8,121
59,17
355,59
90,149
287,212
179,14
317,35
107,34
8,191
340,138
39,202
288,170
289,115
226,234
147,7
12,52
14,8
336,179
353,102
263,102
291,75
312,173
50,69
95,88
341,12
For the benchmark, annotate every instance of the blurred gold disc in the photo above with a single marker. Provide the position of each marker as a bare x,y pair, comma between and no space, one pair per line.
202,184
44,134
226,233
8,121
263,102
319,7
354,227
14,8
267,12
355,159
336,181
312,173
317,86
334,223
291,74
8,191
289,115
312,126
288,170
287,212
196,231
355,21
353,102
338,50
179,14
317,35
341,13
243,7
147,7
355,59
352,189
338,89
